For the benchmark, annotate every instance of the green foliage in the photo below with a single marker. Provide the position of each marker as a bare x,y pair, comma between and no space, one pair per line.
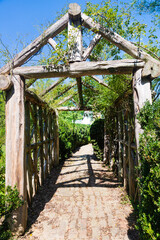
97,137
9,201
149,182
71,135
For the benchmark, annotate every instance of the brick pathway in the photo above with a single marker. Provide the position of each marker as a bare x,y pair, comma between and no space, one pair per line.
81,201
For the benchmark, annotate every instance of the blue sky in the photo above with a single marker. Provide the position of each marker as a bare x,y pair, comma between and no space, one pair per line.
22,18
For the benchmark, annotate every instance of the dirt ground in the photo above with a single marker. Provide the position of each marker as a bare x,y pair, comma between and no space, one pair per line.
81,200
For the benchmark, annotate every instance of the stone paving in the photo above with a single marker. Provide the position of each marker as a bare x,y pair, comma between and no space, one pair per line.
81,201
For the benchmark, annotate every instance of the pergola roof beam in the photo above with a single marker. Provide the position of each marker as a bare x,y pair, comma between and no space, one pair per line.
56,83
78,69
36,45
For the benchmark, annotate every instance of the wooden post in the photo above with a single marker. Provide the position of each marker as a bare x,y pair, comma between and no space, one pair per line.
56,139
28,154
124,154
15,149
119,144
74,33
141,93
79,85
41,147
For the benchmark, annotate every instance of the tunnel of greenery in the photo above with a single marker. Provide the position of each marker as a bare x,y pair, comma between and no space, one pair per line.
110,97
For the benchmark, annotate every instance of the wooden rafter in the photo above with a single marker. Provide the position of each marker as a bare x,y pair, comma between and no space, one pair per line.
73,109
52,43
87,85
152,66
78,69
65,99
36,45
56,83
92,44
100,81
65,90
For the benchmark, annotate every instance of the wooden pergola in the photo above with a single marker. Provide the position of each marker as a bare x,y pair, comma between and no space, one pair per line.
21,103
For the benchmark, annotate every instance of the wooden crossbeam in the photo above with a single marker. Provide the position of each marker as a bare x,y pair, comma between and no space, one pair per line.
73,109
30,82
78,69
56,83
92,44
36,45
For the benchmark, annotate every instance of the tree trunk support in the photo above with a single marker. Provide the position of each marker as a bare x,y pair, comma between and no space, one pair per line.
15,149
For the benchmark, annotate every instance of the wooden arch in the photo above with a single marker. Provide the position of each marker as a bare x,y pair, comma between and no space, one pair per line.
12,80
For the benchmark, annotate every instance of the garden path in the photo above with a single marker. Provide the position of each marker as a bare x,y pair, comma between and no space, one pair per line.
81,200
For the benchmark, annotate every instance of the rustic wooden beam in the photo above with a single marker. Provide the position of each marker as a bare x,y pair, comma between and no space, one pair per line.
65,90
73,109
74,102
152,68
65,99
74,33
5,82
52,43
141,94
15,149
100,81
78,69
92,44
79,86
36,45
56,83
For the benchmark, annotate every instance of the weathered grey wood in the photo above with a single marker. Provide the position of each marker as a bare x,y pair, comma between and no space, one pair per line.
100,81
34,99
28,153
15,149
56,139
119,145
152,67
65,99
65,90
141,94
45,133
41,146
124,155
79,69
36,45
5,82
74,11
52,43
74,33
74,102
56,83
79,85
35,151
92,44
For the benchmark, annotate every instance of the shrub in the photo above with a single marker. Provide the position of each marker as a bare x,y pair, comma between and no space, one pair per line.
9,201
149,181
97,137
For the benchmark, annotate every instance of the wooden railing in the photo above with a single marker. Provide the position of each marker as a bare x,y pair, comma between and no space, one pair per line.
41,141
120,150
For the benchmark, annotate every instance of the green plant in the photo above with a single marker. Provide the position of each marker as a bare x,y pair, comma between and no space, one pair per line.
149,180
9,201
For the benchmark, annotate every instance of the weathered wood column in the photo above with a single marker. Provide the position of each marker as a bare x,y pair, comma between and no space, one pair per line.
141,94
56,139
15,148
